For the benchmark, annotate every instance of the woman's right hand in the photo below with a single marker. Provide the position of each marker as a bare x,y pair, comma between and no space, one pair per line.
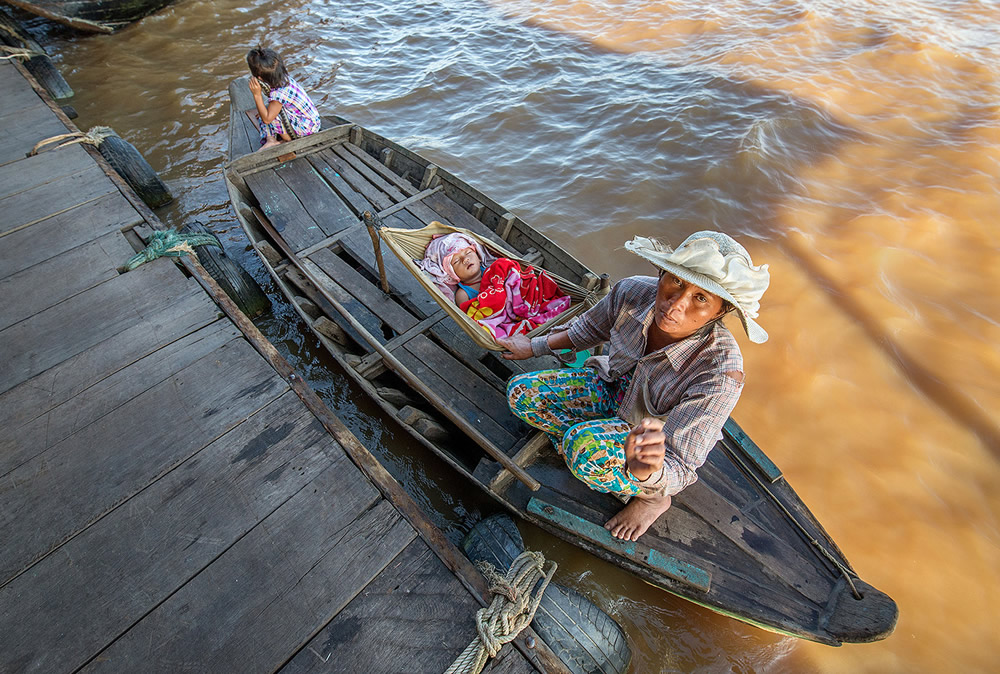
518,347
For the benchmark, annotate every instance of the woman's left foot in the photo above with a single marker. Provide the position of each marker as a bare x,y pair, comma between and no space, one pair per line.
634,519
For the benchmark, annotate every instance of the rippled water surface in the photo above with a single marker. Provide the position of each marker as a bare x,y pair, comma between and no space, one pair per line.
853,145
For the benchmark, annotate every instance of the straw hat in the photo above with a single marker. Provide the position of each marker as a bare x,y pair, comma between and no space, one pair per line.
715,262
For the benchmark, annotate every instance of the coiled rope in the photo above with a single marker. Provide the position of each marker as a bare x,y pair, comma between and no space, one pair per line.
170,244
93,137
513,608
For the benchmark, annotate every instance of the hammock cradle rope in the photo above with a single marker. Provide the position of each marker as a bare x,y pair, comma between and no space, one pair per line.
409,245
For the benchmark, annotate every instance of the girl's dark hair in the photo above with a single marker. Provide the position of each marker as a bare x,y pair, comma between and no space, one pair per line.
266,66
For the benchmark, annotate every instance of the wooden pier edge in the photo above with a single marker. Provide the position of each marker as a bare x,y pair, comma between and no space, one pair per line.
539,654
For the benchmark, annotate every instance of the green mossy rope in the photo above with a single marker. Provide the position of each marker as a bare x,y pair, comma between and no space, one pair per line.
170,244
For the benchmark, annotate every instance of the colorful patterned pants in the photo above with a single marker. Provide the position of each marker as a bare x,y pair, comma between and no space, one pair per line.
577,409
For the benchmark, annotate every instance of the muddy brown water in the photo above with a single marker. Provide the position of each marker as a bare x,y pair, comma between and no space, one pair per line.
853,146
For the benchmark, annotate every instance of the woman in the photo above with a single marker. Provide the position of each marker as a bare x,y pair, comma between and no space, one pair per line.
639,421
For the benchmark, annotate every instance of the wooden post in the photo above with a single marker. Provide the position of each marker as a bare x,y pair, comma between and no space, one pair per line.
505,225
430,173
374,223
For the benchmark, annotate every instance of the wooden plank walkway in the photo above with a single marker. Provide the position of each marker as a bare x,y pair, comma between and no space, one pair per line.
172,496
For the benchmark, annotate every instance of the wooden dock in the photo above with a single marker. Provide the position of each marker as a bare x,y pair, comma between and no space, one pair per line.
173,498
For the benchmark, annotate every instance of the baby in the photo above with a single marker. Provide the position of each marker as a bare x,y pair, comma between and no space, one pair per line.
456,263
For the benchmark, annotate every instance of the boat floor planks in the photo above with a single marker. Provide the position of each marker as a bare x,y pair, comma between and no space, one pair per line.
754,550
174,497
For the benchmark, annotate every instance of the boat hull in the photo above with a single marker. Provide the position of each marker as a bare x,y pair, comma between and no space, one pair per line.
739,541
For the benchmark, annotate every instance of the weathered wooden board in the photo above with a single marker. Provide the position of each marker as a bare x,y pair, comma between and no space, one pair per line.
21,443
105,463
417,612
261,601
398,318
63,381
123,566
316,196
371,322
354,199
404,185
375,182
479,403
58,278
37,203
18,138
18,94
65,231
373,194
284,210
37,343
43,169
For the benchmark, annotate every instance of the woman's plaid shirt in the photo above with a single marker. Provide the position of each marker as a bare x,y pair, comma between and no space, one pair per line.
684,384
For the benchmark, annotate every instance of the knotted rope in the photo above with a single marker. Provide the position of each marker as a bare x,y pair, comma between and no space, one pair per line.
93,137
170,244
513,608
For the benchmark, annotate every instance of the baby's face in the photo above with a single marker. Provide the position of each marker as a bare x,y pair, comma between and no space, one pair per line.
466,265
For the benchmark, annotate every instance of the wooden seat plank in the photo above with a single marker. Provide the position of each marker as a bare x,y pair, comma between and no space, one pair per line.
291,574
64,231
105,463
473,398
160,538
398,318
317,197
284,210
58,278
40,202
22,442
393,611
450,212
39,342
66,379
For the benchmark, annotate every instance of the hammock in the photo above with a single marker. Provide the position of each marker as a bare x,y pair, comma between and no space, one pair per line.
410,244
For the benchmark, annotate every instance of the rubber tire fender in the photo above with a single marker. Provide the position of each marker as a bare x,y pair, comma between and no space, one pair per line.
584,637
236,281
136,171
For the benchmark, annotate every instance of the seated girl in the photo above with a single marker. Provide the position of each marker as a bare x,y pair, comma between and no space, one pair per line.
495,292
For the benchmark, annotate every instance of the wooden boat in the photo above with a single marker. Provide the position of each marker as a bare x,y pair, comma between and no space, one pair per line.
738,541
95,16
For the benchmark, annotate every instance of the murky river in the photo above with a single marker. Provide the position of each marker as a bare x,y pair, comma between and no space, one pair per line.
853,145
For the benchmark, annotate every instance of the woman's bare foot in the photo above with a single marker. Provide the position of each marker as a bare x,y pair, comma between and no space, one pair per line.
634,519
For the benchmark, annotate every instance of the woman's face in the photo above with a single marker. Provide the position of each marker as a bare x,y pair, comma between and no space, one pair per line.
466,265
682,308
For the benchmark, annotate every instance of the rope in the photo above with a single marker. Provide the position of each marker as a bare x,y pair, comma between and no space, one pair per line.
512,609
93,137
170,244
18,52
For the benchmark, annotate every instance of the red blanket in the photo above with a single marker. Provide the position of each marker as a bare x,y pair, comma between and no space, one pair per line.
512,300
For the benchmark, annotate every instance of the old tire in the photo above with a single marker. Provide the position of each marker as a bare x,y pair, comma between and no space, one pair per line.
584,637
136,171
40,65
236,281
